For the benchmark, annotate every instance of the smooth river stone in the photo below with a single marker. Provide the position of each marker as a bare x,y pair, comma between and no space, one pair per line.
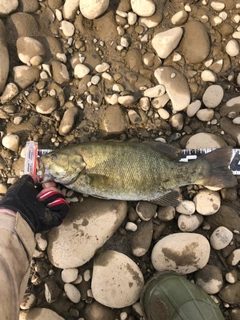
176,86
181,252
116,280
86,228
92,9
143,8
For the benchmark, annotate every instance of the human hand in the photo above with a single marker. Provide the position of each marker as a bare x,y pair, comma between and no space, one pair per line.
42,210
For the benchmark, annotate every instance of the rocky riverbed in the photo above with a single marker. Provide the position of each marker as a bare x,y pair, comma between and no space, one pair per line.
74,71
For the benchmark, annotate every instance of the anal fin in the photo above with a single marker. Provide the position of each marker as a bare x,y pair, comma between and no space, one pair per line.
172,198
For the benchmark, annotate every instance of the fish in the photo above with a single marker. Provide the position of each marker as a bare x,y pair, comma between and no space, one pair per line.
134,171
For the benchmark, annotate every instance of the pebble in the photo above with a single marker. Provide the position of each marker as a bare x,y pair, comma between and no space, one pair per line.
160,102
186,207
221,238
166,213
164,114
7,7
93,8
46,105
205,114
150,22
10,91
24,76
213,96
210,279
231,276
155,91
234,258
230,293
146,210
181,252
143,8
96,311
80,70
39,313
60,72
207,202
41,241
179,18
70,8
176,86
28,48
67,121
86,228
72,292
67,28
189,223
134,116
205,140
126,100
208,76
193,108
165,42
176,121
103,67
232,48
11,142
130,226
195,44
28,301
69,275
142,238
116,280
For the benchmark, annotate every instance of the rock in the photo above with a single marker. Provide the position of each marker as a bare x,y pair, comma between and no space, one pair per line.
67,28
70,8
39,313
234,258
87,227
176,121
4,56
60,72
176,86
143,8
11,142
134,59
195,44
181,252
193,108
81,70
93,8
28,6
205,140
179,18
208,76
207,202
72,292
189,223
221,238
24,76
166,213
69,275
155,91
160,102
46,105
210,279
7,7
41,241
165,42
68,120
116,281
152,21
103,67
28,301
231,276
96,311
10,91
232,48
213,96
146,210
142,238
114,122
205,114
28,48
186,207
231,293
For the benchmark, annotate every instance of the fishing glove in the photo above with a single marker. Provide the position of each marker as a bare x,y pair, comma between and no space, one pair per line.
42,212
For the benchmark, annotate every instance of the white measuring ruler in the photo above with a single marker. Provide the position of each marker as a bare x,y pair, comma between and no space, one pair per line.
185,155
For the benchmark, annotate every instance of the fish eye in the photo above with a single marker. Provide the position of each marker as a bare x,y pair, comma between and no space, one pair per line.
53,157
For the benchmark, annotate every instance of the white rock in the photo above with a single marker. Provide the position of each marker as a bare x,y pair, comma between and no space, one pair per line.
205,114
69,275
155,91
165,42
132,18
144,103
81,70
234,258
181,252
70,8
10,91
11,142
116,280
236,35
176,86
193,108
232,48
213,96
143,8
72,292
179,17
39,313
102,67
205,140
220,238
186,207
189,223
218,6
7,7
111,98
131,226
164,114
231,276
126,100
28,301
67,28
86,228
95,80
207,202
92,9
208,76
149,22
160,102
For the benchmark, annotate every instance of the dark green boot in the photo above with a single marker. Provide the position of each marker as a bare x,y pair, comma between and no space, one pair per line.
169,296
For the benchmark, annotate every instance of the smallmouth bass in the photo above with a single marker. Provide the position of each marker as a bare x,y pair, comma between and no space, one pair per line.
133,171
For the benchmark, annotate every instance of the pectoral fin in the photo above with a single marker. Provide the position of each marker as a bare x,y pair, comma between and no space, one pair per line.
172,198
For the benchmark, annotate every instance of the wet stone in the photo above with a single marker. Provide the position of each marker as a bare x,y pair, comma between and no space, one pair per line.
146,210
234,258
210,279
166,213
231,293
142,238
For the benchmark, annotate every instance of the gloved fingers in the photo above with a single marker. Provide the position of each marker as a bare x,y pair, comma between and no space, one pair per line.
54,199
23,182
45,193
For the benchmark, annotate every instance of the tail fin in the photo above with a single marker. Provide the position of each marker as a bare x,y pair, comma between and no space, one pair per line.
219,175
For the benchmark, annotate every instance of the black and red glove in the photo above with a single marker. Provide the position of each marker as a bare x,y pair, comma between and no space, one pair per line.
42,211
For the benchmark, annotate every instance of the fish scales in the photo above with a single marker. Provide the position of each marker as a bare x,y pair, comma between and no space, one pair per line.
132,171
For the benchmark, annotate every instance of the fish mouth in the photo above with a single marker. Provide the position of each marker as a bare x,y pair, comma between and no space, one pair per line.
43,172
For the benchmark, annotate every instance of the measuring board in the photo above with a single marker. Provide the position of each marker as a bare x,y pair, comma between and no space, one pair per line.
185,155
